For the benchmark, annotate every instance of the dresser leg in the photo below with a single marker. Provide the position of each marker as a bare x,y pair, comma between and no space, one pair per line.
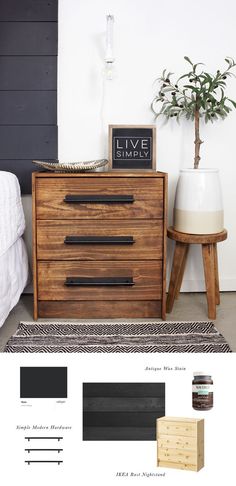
35,310
208,254
177,272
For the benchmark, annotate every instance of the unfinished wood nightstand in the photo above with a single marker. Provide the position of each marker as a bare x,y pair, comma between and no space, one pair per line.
180,443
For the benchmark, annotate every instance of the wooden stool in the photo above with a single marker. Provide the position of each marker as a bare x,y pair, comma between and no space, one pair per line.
210,263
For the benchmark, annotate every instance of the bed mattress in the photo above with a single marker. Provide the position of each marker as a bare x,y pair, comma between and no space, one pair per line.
12,221
13,277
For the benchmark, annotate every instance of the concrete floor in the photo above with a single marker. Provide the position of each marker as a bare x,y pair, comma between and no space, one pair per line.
188,307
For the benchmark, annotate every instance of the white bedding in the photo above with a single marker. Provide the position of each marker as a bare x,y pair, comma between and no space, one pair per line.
12,220
13,277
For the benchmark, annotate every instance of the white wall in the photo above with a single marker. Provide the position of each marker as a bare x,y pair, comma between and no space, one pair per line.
149,36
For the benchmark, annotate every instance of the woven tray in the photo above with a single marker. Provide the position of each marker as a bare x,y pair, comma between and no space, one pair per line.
71,166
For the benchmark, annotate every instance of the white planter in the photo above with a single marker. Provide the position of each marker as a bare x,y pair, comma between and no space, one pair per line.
198,205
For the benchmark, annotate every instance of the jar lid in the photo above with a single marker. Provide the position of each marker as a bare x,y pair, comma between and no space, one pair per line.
200,373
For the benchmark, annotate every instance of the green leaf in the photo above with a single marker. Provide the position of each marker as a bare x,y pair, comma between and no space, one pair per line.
221,83
230,74
189,86
233,102
182,77
165,90
188,60
205,81
227,108
207,78
195,66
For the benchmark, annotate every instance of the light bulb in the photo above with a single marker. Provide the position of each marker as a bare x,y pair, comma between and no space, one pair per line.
109,70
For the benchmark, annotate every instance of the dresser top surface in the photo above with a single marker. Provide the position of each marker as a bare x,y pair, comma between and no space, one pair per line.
105,174
179,419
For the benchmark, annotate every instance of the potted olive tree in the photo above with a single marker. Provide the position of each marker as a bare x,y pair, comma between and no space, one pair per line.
196,95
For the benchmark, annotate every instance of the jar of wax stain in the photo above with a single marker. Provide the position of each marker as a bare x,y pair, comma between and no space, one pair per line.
202,391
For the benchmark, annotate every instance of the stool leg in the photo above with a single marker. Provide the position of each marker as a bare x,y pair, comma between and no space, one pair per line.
181,273
209,270
179,257
216,275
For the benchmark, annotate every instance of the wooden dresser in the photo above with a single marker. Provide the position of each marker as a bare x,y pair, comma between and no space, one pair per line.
99,244
180,443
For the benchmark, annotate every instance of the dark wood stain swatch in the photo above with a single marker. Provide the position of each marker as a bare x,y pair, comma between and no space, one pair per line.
122,411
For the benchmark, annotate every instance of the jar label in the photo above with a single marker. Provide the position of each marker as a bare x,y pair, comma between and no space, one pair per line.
202,389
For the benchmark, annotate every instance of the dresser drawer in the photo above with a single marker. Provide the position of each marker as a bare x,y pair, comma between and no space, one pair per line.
99,309
113,198
100,281
178,465
178,456
177,442
187,429
103,240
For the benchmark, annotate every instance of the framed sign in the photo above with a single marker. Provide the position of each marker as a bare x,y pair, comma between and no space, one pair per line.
132,147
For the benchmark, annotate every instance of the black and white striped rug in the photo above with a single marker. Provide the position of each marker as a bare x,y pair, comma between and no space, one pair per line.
117,337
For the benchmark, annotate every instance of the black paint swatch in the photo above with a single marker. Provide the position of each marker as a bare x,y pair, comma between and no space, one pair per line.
43,382
122,411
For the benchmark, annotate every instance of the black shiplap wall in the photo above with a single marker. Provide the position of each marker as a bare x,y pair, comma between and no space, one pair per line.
122,411
28,85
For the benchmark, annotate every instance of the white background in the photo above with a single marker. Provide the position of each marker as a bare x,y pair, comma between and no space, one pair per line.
89,463
149,36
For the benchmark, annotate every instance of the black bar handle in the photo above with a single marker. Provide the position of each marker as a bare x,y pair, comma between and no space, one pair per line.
98,198
94,281
56,462
54,438
49,450
101,240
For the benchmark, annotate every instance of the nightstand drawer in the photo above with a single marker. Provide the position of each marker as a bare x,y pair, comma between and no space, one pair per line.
178,456
177,442
103,240
112,198
188,429
178,465
99,309
100,280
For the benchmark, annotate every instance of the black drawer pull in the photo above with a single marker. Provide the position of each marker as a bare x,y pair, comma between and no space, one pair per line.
89,281
101,240
71,198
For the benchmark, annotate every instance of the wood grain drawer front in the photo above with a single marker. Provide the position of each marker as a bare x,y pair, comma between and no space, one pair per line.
98,309
177,442
177,456
178,465
111,240
133,280
146,198
187,429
